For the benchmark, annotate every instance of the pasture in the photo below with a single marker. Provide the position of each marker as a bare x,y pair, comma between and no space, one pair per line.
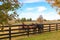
17,30
44,36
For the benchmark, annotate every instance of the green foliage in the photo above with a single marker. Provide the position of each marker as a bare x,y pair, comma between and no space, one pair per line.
5,7
45,20
9,5
3,18
29,19
23,19
58,20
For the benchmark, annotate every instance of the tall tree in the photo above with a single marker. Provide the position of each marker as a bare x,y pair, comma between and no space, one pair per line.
40,19
5,7
55,4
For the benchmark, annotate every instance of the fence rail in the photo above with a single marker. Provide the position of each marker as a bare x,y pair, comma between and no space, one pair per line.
23,29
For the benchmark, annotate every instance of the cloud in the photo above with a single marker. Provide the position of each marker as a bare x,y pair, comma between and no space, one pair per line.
41,8
32,1
37,9
51,16
29,9
32,15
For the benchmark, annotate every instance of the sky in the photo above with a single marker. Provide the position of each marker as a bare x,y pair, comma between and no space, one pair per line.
34,8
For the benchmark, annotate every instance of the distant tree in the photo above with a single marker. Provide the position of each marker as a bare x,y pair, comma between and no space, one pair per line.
44,19
58,20
29,19
40,19
55,4
23,19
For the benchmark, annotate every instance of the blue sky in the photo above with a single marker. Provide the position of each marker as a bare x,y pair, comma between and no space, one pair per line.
34,8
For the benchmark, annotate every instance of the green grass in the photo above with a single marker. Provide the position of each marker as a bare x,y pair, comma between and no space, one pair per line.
44,36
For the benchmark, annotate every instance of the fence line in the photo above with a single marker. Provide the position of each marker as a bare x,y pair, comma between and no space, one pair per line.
23,29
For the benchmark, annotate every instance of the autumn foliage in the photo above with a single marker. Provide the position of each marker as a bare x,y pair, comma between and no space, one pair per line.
55,4
40,19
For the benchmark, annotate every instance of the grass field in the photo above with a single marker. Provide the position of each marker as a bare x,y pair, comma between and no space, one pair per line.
44,36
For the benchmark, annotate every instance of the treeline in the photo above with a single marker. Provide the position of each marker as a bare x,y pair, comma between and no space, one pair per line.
23,19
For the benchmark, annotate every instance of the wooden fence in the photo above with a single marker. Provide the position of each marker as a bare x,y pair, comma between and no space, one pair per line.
23,29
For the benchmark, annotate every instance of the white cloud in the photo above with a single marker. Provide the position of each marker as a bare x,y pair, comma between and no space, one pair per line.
32,1
51,16
41,8
29,15
38,9
29,9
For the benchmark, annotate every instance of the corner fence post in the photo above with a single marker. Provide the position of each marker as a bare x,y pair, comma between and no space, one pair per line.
9,33
49,27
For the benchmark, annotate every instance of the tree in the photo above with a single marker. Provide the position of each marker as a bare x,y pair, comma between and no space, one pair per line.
23,19
40,19
58,20
55,4
5,7
29,19
44,19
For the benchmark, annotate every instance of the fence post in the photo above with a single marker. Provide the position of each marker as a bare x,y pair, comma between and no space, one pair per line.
23,25
49,27
56,27
42,27
9,33
34,29
28,30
